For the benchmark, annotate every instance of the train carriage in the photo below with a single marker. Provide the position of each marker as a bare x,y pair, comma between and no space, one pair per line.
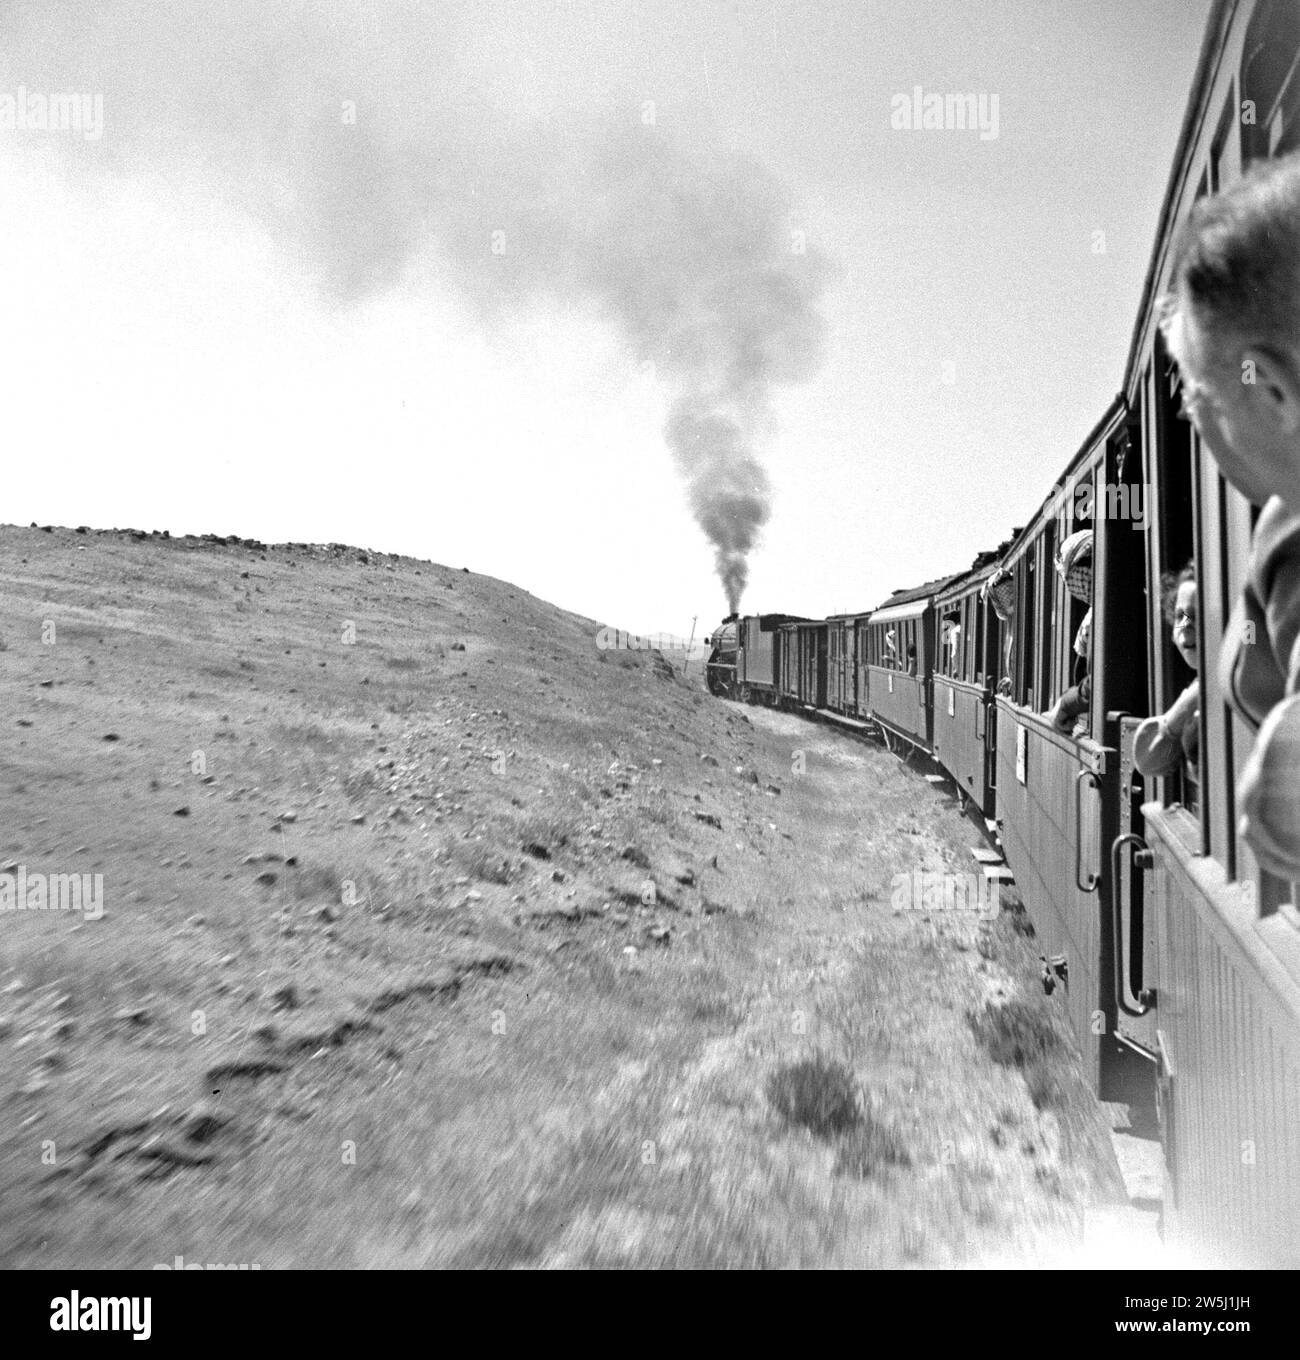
899,662
803,665
1208,962
841,663
967,651
745,657
1059,790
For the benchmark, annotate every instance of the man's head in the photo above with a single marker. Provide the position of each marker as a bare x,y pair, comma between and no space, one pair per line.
1232,322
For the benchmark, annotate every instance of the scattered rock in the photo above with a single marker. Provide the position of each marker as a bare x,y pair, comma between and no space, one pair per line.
635,855
181,812
536,850
137,1015
709,819
110,736
285,999
266,879
661,935
328,912
706,759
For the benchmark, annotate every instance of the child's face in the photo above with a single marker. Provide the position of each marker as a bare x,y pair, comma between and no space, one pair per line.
1185,624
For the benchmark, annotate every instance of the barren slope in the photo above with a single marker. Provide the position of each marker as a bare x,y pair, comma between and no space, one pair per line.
434,935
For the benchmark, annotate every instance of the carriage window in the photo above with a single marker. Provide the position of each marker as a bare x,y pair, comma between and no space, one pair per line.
1026,631
1270,79
975,666
1045,619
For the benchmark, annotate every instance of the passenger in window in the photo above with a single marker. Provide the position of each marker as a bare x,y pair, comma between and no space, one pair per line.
1000,591
1232,321
911,658
1163,743
1074,563
949,645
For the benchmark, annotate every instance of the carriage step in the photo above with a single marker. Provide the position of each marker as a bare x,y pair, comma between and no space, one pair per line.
998,873
985,855
935,779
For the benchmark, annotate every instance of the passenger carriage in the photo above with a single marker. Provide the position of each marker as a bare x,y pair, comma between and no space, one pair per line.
967,660
1059,793
899,661
1208,946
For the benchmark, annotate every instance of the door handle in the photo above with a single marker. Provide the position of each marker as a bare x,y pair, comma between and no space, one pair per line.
1091,885
980,709
1143,859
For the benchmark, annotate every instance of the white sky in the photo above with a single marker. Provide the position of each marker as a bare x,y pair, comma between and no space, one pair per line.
165,363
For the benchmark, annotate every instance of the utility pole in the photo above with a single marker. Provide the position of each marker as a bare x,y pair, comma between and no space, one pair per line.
686,660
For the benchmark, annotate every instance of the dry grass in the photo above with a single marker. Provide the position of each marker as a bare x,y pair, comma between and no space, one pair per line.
1022,1035
531,1066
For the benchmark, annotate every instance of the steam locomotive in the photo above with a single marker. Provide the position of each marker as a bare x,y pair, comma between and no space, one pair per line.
1178,956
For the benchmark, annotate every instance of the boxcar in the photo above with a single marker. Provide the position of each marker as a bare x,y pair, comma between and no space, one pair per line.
803,665
841,672
967,647
809,664
758,673
1208,946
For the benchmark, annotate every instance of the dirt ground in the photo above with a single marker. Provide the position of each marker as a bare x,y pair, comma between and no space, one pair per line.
434,935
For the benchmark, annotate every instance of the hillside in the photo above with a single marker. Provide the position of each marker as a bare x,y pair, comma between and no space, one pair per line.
432,935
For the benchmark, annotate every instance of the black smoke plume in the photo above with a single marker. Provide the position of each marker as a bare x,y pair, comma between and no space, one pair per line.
357,135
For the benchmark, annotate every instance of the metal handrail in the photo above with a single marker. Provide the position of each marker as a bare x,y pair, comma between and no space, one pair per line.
1091,885
1122,989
